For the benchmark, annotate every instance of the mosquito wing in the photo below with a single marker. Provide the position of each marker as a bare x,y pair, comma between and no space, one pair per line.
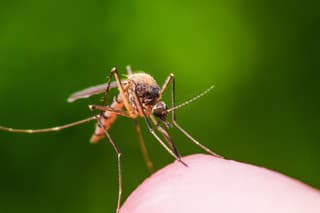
86,93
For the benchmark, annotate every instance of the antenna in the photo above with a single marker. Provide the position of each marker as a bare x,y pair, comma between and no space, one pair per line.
191,99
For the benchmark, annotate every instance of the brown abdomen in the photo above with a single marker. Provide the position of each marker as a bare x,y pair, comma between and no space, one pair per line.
106,120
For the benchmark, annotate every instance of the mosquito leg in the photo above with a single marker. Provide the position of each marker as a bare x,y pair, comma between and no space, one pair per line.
108,87
166,83
114,72
151,130
138,130
174,121
162,143
195,141
52,129
118,152
107,108
123,93
166,135
143,147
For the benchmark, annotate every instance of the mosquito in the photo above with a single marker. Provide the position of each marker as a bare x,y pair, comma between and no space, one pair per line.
139,96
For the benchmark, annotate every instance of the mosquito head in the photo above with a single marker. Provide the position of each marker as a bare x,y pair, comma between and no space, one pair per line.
160,110
148,94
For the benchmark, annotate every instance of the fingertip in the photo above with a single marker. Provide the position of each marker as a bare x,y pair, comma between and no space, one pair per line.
211,184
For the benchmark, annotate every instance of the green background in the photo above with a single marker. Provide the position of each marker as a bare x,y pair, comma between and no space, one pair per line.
263,57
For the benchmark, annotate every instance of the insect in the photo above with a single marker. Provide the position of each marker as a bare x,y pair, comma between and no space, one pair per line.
139,96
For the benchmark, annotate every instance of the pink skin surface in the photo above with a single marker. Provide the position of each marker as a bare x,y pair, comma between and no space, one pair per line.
211,184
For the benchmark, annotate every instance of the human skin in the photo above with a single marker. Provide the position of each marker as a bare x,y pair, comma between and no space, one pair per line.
211,184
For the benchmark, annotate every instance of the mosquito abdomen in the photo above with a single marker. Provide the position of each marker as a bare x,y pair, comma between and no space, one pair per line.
107,119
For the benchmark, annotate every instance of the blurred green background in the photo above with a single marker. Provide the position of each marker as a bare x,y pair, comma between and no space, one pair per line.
263,57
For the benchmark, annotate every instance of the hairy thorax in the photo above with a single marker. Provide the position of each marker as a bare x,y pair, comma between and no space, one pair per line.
146,89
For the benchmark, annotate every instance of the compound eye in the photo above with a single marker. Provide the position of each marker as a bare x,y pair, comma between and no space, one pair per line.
155,90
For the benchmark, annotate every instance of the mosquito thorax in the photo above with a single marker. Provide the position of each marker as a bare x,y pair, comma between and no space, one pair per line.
160,110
